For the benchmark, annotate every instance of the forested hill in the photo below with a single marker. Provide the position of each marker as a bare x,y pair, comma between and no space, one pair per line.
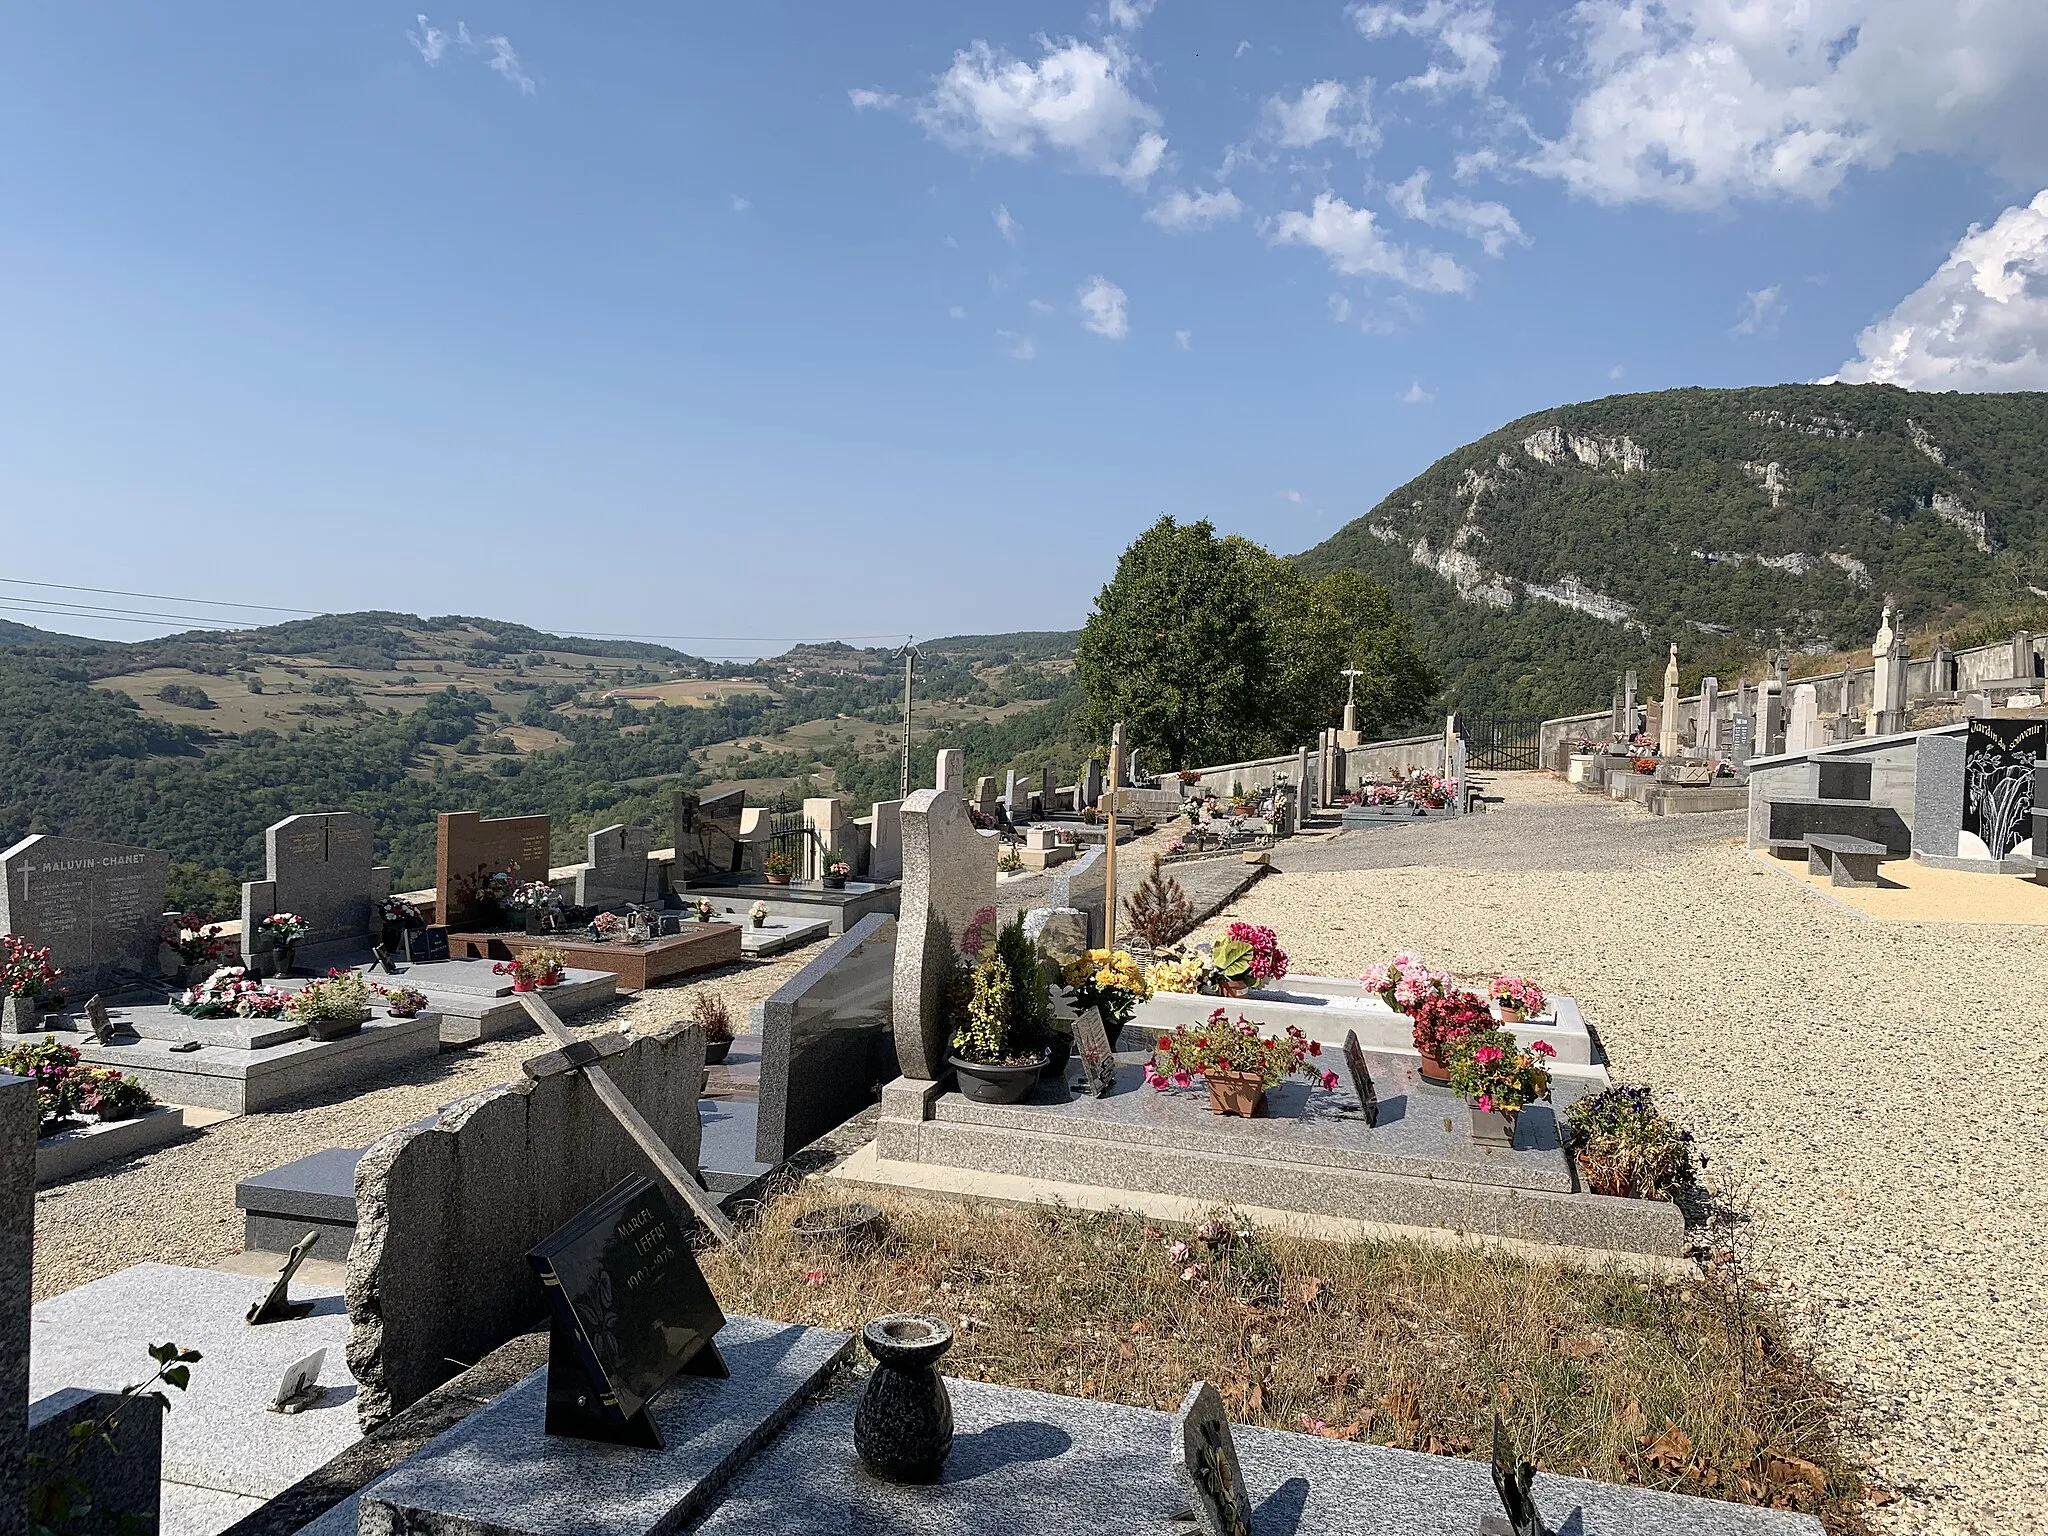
1541,560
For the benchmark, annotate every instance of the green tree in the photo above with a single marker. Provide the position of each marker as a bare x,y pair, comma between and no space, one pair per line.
1176,647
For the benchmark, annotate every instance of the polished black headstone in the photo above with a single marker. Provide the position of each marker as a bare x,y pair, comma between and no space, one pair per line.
630,1310
1361,1079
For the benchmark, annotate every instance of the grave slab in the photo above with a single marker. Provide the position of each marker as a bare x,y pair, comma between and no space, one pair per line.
1031,1461
64,1153
219,1435
801,901
699,947
498,1474
778,935
315,1193
474,1004
244,1081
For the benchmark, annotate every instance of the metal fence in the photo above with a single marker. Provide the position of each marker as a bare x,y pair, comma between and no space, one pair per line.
1499,743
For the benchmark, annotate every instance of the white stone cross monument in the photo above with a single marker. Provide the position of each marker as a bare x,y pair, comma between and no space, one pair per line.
1667,725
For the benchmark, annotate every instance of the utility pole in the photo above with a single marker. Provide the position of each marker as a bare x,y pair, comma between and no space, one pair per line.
909,655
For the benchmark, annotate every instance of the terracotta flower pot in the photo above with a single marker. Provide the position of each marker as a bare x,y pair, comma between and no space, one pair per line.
1433,1068
1235,988
1511,1014
1235,1093
521,984
776,879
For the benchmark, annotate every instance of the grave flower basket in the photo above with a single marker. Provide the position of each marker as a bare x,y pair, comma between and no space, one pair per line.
1518,998
1497,1078
535,969
104,1092
778,868
1442,1021
336,1005
1235,1061
280,933
758,914
835,874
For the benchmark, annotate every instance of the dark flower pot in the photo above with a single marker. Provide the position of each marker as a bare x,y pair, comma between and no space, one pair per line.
336,1029
903,1427
1062,1052
986,1084
715,1051
124,1112
835,882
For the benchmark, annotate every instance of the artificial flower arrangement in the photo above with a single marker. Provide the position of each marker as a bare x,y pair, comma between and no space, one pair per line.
705,911
1404,981
1110,982
1237,1063
838,869
339,997
1442,1022
1626,1146
1497,1075
1268,959
397,910
1519,998
192,938
402,1002
535,896
1428,789
758,913
25,970
1175,971
1643,764
1382,794
283,928
607,925
778,868
230,993
541,966
63,1085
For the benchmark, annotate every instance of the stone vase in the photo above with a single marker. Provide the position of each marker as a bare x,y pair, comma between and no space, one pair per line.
19,1016
903,1426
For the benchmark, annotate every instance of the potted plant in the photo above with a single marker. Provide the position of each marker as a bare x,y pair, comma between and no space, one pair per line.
757,914
402,1002
709,1013
778,868
1174,970
1518,998
1645,765
1234,1060
1441,1021
1109,981
1404,981
836,871
538,903
49,1066
107,1095
705,911
282,931
337,1004
536,968
1009,862
193,940
26,978
1496,1077
1626,1147
1229,971
398,917
1000,1044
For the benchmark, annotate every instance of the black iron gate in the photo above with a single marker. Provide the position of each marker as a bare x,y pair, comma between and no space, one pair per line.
1498,743
790,834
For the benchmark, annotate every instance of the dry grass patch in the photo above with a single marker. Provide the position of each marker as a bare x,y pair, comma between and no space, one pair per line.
1693,1387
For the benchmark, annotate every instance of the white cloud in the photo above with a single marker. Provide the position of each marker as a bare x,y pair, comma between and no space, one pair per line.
1022,348
1467,56
1979,323
1351,240
1129,15
1040,307
1340,308
432,44
1480,162
952,244
741,204
1244,46
1328,109
874,101
1006,226
1760,312
1415,394
1076,100
1185,340
1294,496
957,313
1491,224
1194,210
1102,308
1694,103
431,41
1614,372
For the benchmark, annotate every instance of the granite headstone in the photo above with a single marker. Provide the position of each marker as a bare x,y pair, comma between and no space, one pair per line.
320,866
468,851
1206,1466
825,1040
97,907
1998,784
948,878
950,773
616,872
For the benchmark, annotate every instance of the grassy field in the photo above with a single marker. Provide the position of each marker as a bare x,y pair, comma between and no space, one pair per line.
1693,1387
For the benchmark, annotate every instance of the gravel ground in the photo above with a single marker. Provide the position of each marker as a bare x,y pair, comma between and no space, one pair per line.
177,1205
1869,1093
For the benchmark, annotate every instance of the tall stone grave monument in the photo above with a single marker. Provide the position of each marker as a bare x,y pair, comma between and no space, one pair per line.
97,907
615,872
1708,734
321,867
950,776
1090,788
1802,731
706,835
1631,718
1888,656
949,880
468,851
1667,719
885,841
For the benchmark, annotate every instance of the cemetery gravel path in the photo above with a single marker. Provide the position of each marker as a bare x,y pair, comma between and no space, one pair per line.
177,1205
1869,1093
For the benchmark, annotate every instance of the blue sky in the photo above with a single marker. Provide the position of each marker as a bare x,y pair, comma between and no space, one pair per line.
797,321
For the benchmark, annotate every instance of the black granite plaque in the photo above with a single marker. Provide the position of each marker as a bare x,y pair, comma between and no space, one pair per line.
427,945
1361,1079
630,1310
1998,780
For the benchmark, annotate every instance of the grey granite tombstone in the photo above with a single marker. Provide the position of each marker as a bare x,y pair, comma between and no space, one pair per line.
951,771
1205,1464
948,878
1091,783
1708,736
615,872
1016,798
1045,789
1629,703
97,907
985,795
885,841
1741,739
17,1269
321,867
825,1040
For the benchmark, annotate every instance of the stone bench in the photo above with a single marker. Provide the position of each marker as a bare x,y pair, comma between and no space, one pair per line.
1846,860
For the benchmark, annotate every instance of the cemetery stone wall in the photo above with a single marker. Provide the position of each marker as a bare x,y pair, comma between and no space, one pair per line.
467,847
98,907
825,1035
447,1209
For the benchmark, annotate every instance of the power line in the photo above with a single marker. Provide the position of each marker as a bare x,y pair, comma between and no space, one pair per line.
155,597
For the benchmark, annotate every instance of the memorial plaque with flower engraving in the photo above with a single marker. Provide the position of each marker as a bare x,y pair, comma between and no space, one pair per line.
631,1310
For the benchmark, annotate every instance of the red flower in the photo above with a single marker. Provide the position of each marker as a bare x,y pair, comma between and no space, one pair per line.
1542,1047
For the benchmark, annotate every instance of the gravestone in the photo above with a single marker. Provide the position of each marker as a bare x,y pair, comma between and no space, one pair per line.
948,878
825,1040
468,850
1090,788
616,872
1770,734
885,841
1999,762
97,907
1016,798
706,834
1046,790
1802,731
630,1310
17,1268
950,776
1205,1464
1741,740
1361,1078
1631,715
1091,1046
985,795
1614,730
321,867
1711,734
1667,716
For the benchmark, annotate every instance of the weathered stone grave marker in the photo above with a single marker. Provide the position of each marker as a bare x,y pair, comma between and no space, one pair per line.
948,878
97,907
321,867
